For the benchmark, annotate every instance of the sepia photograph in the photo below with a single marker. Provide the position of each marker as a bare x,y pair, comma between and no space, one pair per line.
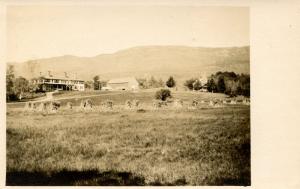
128,95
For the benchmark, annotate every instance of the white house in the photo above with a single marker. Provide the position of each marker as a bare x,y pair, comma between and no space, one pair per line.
56,81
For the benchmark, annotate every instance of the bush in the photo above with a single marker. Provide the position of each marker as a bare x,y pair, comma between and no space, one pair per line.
189,83
171,82
162,94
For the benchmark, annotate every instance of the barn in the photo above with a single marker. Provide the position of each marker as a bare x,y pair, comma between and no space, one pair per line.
129,83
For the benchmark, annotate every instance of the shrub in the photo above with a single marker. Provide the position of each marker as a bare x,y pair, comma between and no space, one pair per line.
171,82
189,83
162,94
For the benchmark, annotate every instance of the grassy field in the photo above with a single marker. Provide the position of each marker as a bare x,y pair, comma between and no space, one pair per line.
119,97
204,146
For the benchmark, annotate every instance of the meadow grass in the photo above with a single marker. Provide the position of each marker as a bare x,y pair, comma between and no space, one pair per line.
120,97
164,147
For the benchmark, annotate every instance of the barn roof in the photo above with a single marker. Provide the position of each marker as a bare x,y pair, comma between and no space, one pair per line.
122,80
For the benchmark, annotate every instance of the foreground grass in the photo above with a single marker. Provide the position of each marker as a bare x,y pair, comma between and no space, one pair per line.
164,147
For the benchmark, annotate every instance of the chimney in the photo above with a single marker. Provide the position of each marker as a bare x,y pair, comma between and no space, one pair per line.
49,74
66,75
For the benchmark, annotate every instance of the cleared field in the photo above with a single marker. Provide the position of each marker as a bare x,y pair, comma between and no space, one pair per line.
208,146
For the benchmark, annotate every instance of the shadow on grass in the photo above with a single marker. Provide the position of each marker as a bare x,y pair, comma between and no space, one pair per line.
95,178
73,178
81,178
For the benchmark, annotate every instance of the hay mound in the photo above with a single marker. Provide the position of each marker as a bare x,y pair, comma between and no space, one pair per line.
34,106
31,106
86,104
69,105
218,105
132,104
128,104
141,111
239,101
107,105
215,103
54,106
246,101
226,101
136,103
233,102
212,103
195,103
28,106
42,107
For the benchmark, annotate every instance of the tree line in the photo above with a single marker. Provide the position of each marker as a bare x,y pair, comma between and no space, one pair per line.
229,83
156,83
96,84
18,88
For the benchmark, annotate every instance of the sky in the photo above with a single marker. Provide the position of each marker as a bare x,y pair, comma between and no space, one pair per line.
46,31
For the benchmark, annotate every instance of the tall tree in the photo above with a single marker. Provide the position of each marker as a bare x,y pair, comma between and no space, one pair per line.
221,85
211,86
10,77
152,83
88,84
142,83
97,85
21,86
161,83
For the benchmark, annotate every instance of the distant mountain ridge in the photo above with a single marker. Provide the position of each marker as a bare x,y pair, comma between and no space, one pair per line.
144,61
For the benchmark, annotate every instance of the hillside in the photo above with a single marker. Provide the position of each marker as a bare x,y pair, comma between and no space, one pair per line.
159,61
